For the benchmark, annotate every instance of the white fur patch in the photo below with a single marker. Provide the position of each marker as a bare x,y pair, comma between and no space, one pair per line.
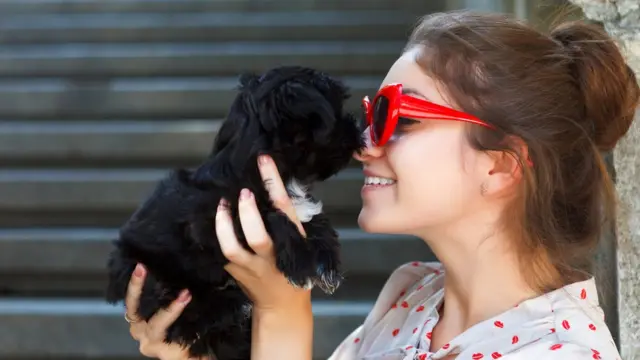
306,208
247,309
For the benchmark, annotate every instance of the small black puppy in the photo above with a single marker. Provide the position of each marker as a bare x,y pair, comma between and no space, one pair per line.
295,115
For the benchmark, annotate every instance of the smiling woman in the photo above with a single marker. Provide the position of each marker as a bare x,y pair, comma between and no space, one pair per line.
489,134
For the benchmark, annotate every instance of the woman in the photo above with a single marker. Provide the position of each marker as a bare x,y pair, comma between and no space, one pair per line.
509,191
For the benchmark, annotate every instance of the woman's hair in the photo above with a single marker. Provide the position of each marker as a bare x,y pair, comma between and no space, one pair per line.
568,95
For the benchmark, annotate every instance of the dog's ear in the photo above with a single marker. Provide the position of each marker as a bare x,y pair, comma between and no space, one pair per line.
240,137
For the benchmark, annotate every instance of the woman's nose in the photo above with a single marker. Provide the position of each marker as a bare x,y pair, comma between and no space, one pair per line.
369,151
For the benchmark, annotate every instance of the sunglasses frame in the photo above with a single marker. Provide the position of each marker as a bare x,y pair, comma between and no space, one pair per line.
404,105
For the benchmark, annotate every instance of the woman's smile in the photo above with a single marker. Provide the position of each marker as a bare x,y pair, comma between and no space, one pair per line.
375,182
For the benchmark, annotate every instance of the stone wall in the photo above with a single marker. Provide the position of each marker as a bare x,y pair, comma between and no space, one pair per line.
621,19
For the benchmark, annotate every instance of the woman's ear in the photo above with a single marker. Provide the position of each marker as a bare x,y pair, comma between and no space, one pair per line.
505,171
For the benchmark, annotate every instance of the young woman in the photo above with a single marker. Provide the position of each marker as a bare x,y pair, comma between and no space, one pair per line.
488,133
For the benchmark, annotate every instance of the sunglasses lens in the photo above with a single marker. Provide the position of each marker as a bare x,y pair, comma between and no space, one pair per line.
380,111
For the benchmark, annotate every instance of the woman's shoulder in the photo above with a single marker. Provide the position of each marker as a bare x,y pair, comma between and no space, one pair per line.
576,325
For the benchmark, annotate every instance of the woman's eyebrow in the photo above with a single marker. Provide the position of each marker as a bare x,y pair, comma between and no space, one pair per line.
414,92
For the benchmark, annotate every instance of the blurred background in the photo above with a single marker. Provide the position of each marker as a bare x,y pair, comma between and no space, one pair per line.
98,98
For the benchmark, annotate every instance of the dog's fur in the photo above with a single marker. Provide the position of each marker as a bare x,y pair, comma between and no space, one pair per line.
295,115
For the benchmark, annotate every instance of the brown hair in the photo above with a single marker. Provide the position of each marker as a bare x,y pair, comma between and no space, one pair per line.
568,95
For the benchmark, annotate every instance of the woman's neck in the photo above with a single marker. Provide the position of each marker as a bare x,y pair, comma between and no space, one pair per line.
482,279
482,287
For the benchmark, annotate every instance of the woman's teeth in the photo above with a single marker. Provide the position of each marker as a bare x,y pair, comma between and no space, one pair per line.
373,180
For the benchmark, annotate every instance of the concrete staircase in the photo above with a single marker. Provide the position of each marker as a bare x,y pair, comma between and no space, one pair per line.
98,98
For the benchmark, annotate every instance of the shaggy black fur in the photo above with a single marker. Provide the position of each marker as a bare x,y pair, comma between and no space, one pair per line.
294,114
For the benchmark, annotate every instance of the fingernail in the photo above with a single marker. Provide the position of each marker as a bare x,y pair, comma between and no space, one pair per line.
245,194
222,204
184,297
263,159
139,271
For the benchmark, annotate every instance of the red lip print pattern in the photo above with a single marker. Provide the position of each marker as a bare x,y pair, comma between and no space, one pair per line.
420,308
515,339
429,335
422,357
357,340
395,332
555,347
405,304
496,355
477,356
565,324
583,294
596,354
592,327
414,330
499,324
445,346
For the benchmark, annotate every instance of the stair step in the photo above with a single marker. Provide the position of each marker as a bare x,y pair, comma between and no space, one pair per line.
221,59
60,329
51,143
171,6
121,190
175,97
206,26
84,250
97,144
72,261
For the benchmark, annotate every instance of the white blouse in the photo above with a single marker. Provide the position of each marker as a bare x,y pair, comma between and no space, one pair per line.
564,324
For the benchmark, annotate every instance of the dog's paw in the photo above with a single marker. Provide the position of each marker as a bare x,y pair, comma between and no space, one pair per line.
294,256
328,280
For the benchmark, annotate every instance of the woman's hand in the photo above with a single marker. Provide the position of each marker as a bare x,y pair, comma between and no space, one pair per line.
150,334
257,273
282,325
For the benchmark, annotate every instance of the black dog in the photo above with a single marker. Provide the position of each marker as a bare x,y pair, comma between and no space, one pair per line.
293,114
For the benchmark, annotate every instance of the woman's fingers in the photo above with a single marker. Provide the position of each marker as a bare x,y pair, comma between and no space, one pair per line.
160,322
134,290
151,334
277,190
229,244
253,225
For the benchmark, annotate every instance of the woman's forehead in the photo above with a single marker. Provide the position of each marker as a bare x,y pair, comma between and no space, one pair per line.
406,71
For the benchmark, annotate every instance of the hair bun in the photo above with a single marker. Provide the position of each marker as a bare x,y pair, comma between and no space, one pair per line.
608,84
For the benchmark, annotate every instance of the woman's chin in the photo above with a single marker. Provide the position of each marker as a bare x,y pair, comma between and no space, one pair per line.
372,221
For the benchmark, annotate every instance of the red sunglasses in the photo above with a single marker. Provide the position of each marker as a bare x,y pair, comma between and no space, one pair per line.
390,104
